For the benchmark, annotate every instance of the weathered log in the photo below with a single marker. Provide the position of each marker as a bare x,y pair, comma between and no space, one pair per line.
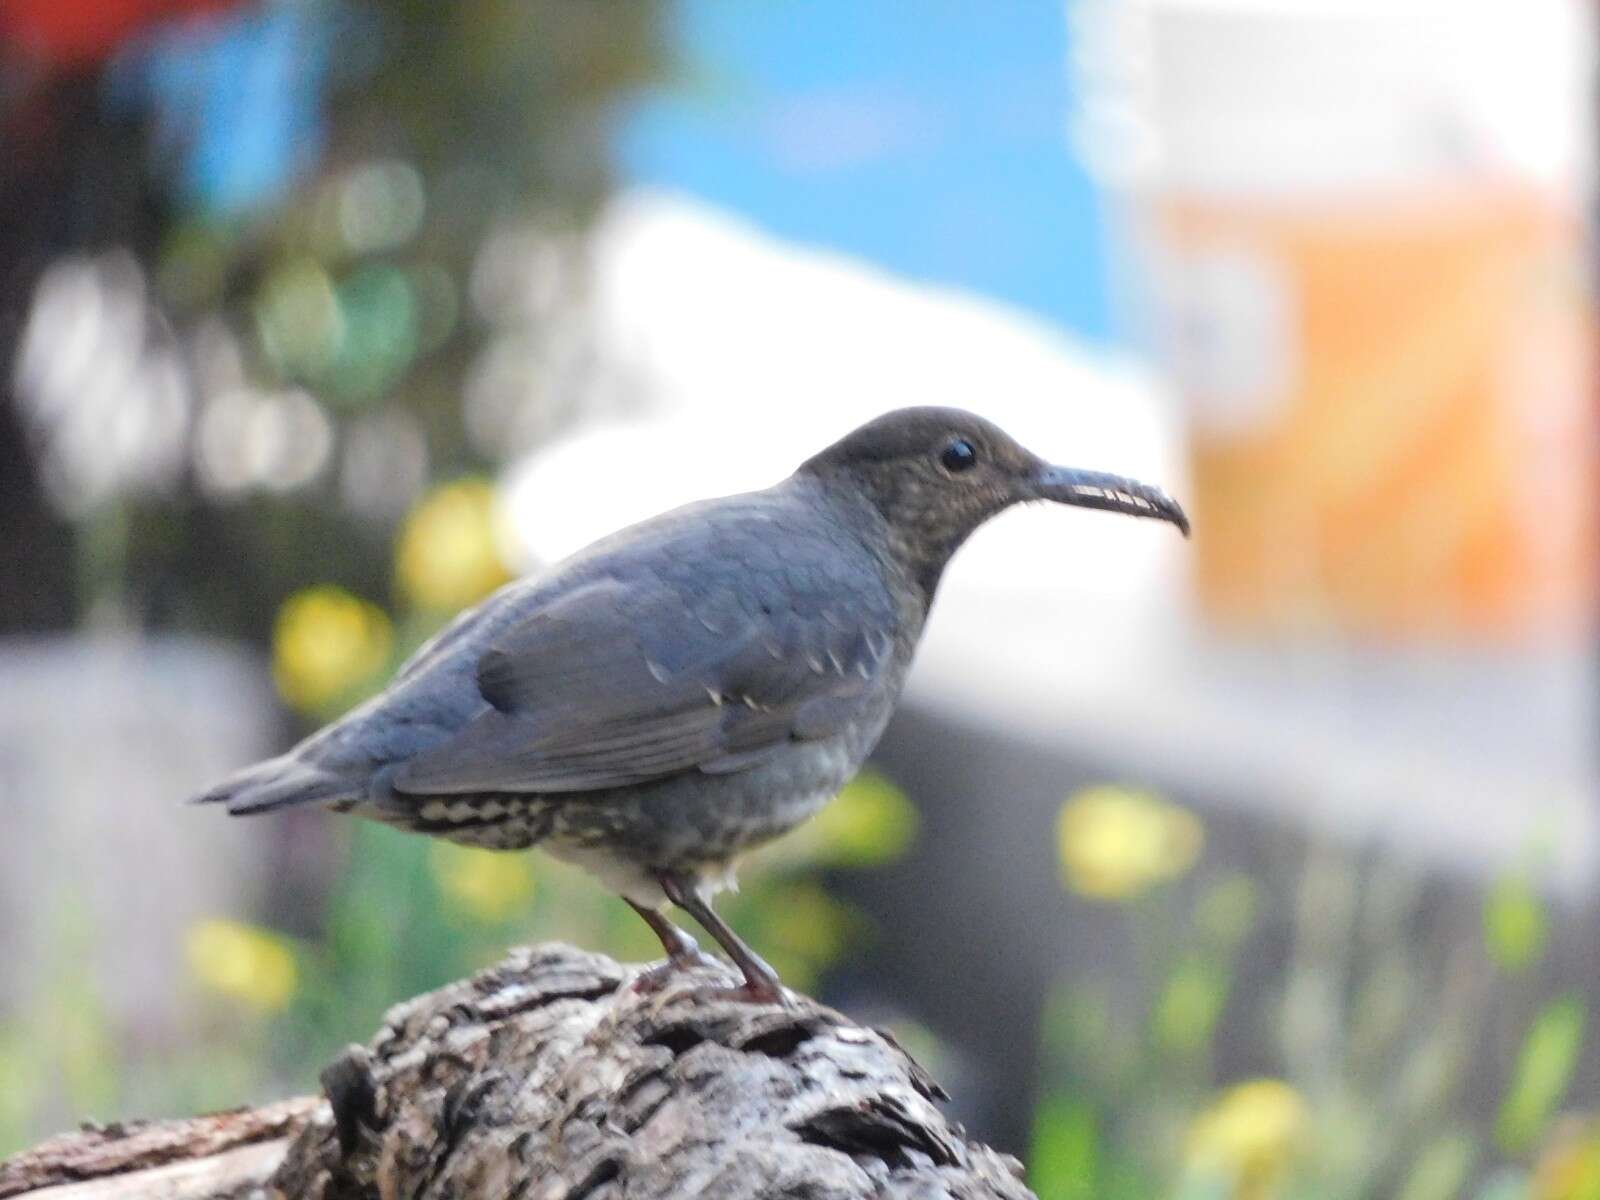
548,1077
222,1155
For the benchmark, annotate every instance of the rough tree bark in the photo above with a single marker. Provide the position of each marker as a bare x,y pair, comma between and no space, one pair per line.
548,1077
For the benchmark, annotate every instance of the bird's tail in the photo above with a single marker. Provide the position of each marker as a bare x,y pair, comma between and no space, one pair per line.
278,783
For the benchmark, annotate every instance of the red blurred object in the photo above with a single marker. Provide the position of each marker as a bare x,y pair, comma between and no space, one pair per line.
64,34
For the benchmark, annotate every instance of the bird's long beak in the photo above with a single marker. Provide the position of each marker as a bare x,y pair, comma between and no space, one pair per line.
1115,493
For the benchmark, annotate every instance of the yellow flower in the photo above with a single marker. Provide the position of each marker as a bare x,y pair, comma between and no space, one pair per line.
447,557
1249,1135
1569,1166
488,885
325,643
870,821
1116,844
242,962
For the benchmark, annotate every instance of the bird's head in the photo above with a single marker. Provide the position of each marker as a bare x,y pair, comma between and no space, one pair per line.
936,474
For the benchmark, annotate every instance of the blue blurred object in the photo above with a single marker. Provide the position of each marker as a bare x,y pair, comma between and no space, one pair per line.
930,139
237,101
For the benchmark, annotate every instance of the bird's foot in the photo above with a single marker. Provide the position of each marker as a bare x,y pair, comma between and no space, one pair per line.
761,983
747,993
647,983
760,992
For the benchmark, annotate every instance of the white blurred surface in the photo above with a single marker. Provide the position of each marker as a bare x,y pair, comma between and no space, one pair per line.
1332,97
102,736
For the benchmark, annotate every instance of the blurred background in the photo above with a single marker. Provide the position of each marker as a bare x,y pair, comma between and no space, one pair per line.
1261,866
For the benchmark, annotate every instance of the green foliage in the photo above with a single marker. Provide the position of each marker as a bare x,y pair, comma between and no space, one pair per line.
1191,1001
1544,1069
24,1094
1514,924
57,1053
1227,910
1442,1169
1064,1160
1374,1040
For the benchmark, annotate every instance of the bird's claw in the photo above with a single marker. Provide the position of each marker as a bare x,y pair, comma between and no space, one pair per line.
652,980
747,993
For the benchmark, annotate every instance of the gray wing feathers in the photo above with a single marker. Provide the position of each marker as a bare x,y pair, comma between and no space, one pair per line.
614,684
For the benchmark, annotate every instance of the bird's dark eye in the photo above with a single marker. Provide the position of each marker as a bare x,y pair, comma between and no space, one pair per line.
958,456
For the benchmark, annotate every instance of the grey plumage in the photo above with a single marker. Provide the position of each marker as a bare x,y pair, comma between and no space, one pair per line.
687,688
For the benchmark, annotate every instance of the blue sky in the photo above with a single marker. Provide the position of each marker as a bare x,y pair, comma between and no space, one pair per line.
928,138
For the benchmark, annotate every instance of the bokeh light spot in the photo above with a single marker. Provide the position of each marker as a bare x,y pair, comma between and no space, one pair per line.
380,333
871,821
381,206
448,553
487,885
242,962
326,644
298,319
1115,844
1249,1135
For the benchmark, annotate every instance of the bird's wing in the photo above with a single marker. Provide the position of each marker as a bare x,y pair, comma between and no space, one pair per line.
618,683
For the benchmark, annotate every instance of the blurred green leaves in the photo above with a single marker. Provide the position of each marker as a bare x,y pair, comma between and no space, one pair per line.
1515,927
1442,1169
1375,1020
59,1050
1226,912
1190,1003
1544,1068
1064,1155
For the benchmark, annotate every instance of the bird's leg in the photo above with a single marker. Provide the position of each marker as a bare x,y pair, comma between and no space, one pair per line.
761,982
682,950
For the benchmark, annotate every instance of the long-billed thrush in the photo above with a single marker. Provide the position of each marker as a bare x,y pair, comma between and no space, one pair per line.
690,687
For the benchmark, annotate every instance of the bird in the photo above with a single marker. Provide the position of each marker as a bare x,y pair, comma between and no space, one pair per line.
690,687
